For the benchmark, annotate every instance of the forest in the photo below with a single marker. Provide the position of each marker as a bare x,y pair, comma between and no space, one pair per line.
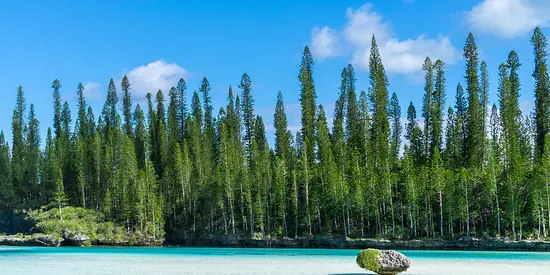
175,171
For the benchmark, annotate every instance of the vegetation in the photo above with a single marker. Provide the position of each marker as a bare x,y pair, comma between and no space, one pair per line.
369,259
177,171
77,220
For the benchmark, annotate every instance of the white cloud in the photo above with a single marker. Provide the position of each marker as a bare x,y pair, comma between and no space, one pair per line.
526,106
509,18
324,42
92,91
154,76
399,56
362,24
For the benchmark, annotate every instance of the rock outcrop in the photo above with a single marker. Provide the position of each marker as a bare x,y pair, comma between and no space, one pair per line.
383,262
74,238
31,240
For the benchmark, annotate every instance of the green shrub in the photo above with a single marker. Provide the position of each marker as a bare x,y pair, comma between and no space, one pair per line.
369,259
88,222
77,220
278,232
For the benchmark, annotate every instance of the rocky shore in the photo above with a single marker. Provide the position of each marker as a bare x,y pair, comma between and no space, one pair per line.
31,240
69,239
341,243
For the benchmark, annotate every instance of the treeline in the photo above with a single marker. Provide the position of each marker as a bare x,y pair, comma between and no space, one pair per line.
181,171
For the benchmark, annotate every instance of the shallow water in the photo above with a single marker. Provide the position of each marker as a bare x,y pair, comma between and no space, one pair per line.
248,261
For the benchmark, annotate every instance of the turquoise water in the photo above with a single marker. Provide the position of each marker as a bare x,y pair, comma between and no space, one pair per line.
245,261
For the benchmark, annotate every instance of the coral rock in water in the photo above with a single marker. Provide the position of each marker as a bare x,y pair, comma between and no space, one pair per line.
383,262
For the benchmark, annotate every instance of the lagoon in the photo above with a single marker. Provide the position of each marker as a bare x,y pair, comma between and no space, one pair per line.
248,261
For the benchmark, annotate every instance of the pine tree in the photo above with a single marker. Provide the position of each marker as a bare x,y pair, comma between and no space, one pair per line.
352,114
223,174
90,121
82,120
380,129
60,198
513,65
127,106
415,136
484,99
173,124
474,130
141,142
327,191
161,111
6,187
280,183
125,190
364,125
259,133
436,110
282,134
80,170
494,155
154,156
195,151
95,159
305,178
182,106
510,119
209,136
546,168
208,108
161,138
461,123
438,181
339,148
247,109
56,86
428,69
410,194
48,170
394,111
109,111
67,150
542,90
32,157
18,146
196,110
307,101
453,141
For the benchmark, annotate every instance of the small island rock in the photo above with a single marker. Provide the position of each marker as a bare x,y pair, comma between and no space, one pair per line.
383,262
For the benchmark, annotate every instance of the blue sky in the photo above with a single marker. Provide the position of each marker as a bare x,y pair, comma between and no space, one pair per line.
156,42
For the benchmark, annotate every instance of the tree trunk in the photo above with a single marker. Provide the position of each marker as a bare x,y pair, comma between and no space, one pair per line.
392,215
296,208
547,195
243,217
308,213
441,213
415,213
225,217
343,207
496,198
467,209
232,215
